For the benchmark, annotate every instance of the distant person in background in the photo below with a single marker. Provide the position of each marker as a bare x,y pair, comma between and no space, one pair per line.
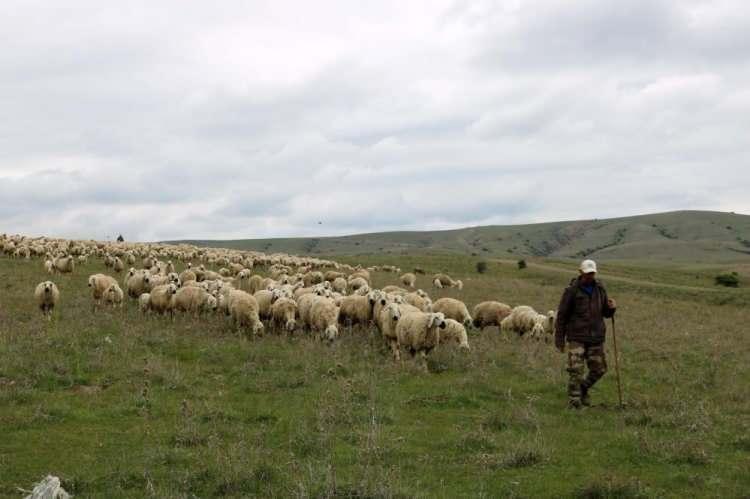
580,323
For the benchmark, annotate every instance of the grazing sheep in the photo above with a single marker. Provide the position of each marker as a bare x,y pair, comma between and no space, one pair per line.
187,275
445,281
455,332
48,267
47,295
395,290
114,295
339,285
387,320
524,319
284,311
324,318
243,309
193,299
419,332
160,299
356,309
99,284
357,283
64,265
453,309
408,279
118,266
422,303
490,313
144,302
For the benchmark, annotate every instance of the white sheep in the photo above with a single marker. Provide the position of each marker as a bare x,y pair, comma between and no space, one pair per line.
419,333
524,319
114,295
387,320
243,309
454,332
490,313
99,284
160,299
144,302
193,299
408,279
453,309
324,318
47,296
283,312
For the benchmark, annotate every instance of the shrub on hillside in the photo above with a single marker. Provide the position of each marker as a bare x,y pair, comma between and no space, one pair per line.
729,279
521,264
482,267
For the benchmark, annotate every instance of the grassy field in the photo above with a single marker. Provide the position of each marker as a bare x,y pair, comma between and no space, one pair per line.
119,405
687,236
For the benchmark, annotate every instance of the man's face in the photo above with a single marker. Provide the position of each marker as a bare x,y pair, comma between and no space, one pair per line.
588,278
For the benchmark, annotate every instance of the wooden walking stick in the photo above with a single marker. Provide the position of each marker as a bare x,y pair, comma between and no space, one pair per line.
617,363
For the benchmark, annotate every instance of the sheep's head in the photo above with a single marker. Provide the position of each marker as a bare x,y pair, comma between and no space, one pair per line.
171,289
48,287
331,333
421,293
291,325
437,320
212,303
393,312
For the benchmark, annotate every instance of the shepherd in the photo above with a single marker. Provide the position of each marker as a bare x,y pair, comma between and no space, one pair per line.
580,323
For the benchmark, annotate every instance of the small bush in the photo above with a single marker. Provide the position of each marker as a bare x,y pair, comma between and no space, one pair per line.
728,279
482,267
521,264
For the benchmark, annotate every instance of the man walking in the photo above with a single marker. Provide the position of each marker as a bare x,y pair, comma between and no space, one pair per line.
580,322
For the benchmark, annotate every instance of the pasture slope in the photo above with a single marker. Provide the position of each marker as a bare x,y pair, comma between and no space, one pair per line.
122,406
690,236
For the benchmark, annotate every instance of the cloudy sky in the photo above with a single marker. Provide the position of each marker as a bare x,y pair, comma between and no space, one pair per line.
243,119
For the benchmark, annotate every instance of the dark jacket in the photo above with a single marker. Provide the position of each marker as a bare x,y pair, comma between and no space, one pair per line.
580,317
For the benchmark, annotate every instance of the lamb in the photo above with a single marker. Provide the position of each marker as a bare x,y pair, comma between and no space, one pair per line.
160,299
99,284
118,265
144,302
47,296
490,313
524,319
419,332
284,311
455,332
324,318
453,309
387,320
193,299
408,279
114,295
243,308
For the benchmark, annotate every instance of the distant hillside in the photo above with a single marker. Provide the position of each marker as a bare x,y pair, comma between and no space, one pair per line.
680,235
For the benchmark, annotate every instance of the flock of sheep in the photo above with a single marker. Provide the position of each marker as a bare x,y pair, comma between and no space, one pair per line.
297,293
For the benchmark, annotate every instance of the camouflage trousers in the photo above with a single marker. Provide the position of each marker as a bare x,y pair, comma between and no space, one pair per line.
594,358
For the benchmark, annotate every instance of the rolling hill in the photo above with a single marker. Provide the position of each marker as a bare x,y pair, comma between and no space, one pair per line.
681,235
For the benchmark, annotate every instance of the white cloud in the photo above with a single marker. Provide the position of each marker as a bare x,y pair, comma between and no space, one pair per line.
253,119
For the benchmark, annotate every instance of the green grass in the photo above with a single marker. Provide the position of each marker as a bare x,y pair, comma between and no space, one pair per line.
122,406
